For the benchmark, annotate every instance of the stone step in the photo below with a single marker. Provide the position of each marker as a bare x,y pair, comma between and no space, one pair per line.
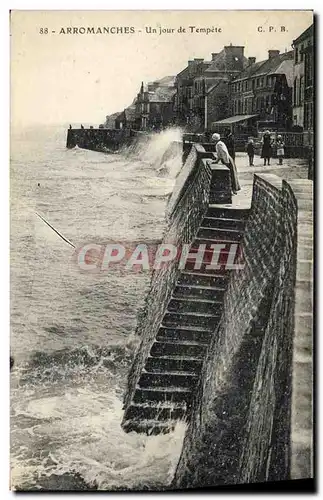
162,394
204,268
183,305
159,412
227,213
220,254
165,379
194,319
191,335
179,348
173,364
223,223
197,278
201,292
219,235
149,427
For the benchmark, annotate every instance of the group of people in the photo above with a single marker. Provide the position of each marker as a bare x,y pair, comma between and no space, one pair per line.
267,149
225,150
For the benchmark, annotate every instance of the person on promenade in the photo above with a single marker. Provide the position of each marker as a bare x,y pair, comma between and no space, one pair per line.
251,152
280,149
224,157
266,151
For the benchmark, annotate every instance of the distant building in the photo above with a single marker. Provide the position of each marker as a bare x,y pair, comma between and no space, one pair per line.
202,88
110,120
211,89
127,118
155,104
264,90
185,90
303,106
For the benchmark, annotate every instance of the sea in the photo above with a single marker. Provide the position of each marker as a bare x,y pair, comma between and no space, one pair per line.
73,332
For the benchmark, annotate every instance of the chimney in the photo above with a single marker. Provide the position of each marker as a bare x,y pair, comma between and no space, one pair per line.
273,53
197,61
190,62
251,60
214,55
234,55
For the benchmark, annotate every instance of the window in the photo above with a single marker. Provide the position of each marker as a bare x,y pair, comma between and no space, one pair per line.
295,92
301,90
302,53
296,55
309,69
257,82
257,104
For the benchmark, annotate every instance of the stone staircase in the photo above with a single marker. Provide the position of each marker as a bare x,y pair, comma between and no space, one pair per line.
165,389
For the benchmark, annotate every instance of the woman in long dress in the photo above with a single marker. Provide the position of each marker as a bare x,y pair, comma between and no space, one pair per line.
266,151
225,158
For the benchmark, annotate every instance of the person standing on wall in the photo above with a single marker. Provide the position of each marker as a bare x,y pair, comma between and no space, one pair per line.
280,149
224,157
266,151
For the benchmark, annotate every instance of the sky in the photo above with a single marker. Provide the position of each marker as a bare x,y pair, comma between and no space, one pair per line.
57,77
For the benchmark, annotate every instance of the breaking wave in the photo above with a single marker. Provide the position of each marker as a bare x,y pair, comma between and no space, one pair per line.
73,350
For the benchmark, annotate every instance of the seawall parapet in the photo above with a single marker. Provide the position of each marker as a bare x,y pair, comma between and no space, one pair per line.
231,352
252,413
99,139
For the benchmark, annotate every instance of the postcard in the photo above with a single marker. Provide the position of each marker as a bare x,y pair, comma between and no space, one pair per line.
161,239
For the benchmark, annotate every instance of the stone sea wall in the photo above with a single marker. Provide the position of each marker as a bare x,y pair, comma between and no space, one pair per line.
188,207
252,414
99,139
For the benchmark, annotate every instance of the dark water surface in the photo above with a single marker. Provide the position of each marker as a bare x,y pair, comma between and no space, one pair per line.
72,332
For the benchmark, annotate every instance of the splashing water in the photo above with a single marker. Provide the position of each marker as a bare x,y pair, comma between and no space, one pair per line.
76,431
72,334
163,150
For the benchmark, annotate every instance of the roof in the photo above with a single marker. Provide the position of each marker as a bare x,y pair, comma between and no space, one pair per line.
219,63
269,66
234,119
250,70
307,33
162,94
167,81
212,87
194,69
128,113
285,68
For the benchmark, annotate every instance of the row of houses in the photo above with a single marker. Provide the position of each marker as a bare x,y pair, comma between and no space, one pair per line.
231,91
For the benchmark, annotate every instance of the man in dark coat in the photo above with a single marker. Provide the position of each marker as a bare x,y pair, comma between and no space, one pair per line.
229,142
